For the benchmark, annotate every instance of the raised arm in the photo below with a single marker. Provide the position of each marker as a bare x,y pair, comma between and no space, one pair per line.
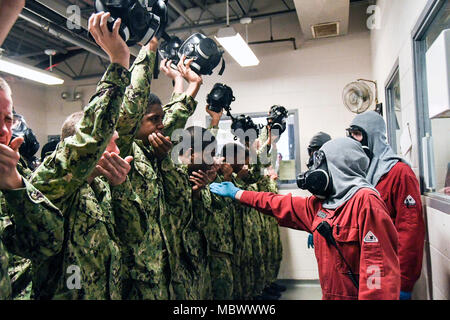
291,212
75,158
182,106
136,97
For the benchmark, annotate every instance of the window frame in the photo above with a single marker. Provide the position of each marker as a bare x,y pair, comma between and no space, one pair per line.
390,112
423,121
294,112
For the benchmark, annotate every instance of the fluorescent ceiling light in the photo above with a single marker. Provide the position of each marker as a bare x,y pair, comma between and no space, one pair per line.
236,47
28,72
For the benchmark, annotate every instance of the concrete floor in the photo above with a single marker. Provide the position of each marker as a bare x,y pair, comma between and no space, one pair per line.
301,290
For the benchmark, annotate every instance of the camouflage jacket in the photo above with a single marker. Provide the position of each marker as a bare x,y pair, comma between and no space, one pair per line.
219,221
188,222
146,230
88,267
31,227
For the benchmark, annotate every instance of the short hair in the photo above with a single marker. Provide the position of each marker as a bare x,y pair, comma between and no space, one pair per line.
200,134
152,100
69,126
233,149
4,86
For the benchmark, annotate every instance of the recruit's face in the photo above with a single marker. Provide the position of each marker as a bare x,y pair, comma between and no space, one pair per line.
199,161
152,122
6,117
357,135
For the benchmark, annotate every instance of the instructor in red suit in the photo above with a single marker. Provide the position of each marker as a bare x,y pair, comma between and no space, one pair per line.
399,188
355,241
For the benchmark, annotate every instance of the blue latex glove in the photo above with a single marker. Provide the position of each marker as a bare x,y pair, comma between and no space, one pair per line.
310,241
405,295
224,189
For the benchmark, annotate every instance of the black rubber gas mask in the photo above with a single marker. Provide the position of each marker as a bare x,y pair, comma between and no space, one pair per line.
317,179
141,19
205,53
364,142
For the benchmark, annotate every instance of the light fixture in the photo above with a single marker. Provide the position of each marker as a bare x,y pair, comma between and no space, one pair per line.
235,45
28,72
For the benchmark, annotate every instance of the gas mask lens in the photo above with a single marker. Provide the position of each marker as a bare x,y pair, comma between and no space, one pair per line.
317,179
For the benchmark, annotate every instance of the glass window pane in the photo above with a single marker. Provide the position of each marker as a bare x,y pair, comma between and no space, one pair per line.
440,127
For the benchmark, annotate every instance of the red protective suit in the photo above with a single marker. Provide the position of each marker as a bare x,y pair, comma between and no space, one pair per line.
363,231
400,191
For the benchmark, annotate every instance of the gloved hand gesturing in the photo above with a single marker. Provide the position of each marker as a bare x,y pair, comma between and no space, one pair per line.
224,189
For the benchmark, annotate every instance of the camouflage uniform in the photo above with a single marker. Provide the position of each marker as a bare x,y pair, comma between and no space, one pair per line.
31,229
191,274
274,249
219,235
90,247
149,233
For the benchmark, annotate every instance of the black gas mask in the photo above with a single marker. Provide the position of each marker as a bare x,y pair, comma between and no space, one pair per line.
277,118
244,123
364,142
317,179
220,98
205,53
30,144
141,19
169,50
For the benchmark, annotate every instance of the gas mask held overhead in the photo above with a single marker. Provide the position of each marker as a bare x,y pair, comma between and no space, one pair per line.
141,19
205,53
317,179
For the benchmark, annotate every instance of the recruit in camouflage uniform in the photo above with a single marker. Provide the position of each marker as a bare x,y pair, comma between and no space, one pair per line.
274,254
219,212
189,222
31,229
89,265
150,234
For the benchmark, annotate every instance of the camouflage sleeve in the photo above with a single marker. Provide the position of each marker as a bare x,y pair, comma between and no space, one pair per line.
32,225
5,284
75,158
135,100
129,214
174,182
177,112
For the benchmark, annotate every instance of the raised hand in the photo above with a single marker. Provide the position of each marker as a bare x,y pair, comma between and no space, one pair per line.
9,158
171,73
114,168
161,144
184,67
110,42
199,180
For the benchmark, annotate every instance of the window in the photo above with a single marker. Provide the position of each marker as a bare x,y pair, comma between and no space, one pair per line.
288,150
394,111
434,133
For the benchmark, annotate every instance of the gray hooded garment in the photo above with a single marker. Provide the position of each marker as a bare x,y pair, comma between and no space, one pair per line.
384,158
347,164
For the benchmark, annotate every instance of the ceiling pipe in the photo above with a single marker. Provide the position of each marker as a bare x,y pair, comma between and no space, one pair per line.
223,22
61,33
61,10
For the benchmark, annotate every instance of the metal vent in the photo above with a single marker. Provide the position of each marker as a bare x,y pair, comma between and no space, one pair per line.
325,30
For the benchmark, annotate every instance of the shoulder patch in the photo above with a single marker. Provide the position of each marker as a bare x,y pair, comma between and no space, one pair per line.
409,201
370,237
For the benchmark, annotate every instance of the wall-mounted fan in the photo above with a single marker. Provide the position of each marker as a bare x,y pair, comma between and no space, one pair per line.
358,96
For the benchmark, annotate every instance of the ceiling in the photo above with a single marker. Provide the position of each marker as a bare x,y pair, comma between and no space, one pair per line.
43,24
